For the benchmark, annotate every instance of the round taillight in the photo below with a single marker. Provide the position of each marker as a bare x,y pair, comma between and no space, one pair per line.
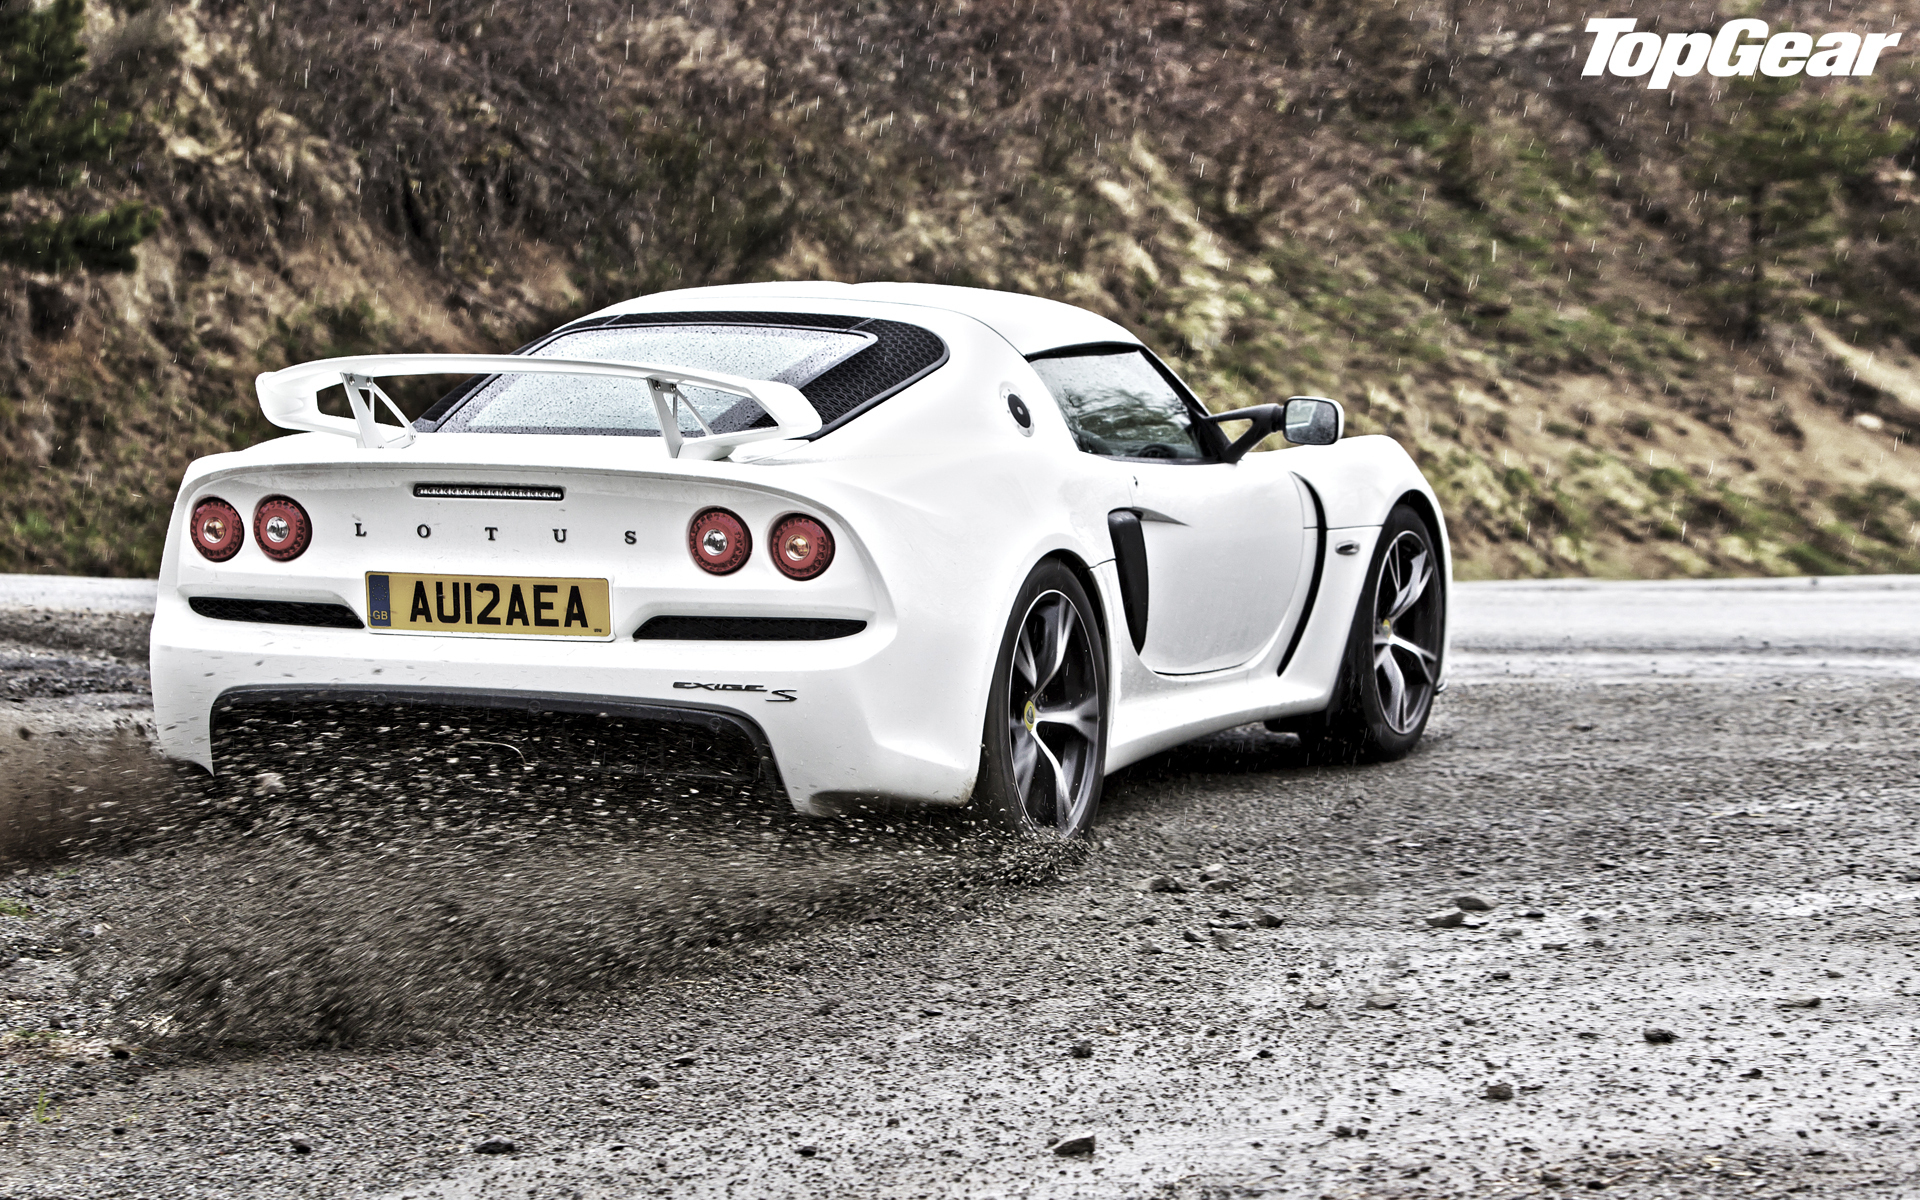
281,528
215,529
802,547
719,541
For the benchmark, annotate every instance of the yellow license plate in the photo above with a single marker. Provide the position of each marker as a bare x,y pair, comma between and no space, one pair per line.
519,606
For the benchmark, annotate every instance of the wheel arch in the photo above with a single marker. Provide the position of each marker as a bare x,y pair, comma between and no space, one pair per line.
1422,504
1091,586
1077,565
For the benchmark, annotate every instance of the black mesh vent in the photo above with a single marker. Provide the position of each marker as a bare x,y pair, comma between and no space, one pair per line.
902,354
275,612
504,747
746,629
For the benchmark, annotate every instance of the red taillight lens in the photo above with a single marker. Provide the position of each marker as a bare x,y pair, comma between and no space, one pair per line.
215,529
802,547
719,541
281,528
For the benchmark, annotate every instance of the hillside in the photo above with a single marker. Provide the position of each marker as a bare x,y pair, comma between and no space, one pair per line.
1540,283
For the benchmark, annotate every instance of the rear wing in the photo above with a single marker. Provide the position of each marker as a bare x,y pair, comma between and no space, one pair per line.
290,398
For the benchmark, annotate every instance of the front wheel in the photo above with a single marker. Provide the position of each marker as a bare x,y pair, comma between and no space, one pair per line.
1391,670
1044,749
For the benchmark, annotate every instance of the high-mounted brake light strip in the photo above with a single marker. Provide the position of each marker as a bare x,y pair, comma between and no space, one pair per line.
487,491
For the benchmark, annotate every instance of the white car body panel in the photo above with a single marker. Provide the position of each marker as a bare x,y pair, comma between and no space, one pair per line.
940,506
1237,579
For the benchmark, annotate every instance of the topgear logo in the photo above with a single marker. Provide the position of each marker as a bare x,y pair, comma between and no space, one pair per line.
1740,48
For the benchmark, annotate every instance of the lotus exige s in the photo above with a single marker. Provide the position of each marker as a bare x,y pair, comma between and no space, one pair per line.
915,543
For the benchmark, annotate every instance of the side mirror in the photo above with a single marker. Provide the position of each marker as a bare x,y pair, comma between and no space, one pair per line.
1314,421
1303,420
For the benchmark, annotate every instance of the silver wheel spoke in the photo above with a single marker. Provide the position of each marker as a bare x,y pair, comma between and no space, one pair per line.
1411,591
1059,633
1024,761
1425,656
1396,689
1062,803
1023,656
1083,719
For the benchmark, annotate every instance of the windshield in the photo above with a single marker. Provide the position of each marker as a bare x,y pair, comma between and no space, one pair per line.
586,404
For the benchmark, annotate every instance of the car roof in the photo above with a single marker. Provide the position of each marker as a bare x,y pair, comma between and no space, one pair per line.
1031,324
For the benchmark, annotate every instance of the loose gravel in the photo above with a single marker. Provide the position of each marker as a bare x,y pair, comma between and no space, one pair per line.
1695,974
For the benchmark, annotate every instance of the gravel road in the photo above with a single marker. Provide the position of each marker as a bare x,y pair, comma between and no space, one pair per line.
1689,809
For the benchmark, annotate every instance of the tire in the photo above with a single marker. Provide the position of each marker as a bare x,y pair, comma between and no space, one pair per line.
1043,751
1390,672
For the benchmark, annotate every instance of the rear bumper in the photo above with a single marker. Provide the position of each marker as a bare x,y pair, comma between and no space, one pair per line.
838,720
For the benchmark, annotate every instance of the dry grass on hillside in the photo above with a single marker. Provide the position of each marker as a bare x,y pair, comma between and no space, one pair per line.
1421,209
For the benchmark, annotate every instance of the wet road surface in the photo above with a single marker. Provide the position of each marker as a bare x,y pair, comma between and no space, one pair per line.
1677,832
1865,625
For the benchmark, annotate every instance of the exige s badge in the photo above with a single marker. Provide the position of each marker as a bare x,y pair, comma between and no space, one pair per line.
774,695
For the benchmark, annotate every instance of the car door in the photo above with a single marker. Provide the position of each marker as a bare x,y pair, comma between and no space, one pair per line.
1222,541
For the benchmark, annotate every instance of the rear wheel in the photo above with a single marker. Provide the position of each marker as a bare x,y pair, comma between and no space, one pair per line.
1391,671
1044,749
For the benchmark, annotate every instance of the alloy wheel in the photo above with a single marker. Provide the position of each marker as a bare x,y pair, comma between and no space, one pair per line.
1053,714
1406,632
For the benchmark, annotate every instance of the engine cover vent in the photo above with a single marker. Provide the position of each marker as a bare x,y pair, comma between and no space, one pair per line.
487,491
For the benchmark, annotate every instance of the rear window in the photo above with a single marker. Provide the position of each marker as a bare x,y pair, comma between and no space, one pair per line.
842,365
565,404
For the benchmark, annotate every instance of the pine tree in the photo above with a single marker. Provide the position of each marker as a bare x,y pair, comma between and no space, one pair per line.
1776,165
44,144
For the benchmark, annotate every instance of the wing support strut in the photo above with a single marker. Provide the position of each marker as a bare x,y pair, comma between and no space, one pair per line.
362,391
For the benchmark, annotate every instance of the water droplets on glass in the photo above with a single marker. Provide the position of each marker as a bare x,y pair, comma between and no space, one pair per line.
587,404
1118,404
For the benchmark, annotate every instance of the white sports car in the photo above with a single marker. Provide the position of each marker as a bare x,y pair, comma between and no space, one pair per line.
919,544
